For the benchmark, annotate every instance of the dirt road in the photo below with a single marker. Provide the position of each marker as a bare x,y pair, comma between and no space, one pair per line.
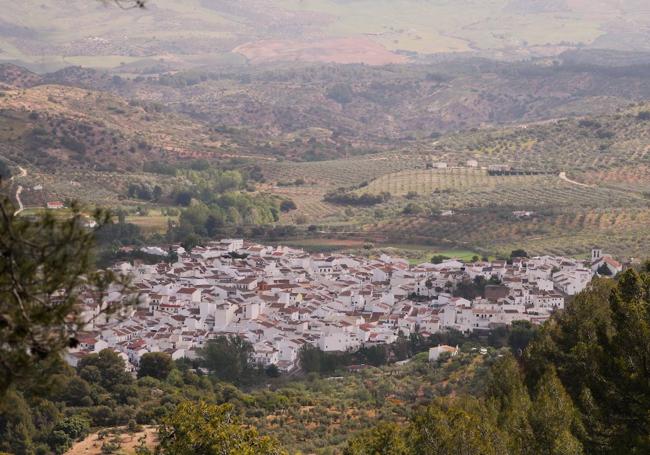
567,179
19,190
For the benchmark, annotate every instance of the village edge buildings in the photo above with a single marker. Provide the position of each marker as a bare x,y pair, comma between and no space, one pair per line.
281,298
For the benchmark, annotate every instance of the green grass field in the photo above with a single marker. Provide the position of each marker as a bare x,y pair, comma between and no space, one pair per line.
36,211
417,254
414,253
152,223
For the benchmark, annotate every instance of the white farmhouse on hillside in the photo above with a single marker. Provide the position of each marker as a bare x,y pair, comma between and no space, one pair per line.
437,351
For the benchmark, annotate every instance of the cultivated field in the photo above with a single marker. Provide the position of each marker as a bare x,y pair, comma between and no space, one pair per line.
629,178
336,50
585,180
449,190
430,27
450,180
311,207
201,32
344,172
564,231
154,222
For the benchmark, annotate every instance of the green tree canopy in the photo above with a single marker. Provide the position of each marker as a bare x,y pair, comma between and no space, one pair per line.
439,258
554,419
16,426
519,253
205,429
508,396
228,358
384,439
107,368
599,346
45,265
450,427
155,364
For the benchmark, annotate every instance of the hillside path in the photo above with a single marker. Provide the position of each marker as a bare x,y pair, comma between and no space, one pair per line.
19,190
567,179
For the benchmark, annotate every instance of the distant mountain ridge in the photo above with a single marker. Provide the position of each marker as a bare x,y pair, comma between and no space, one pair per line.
210,33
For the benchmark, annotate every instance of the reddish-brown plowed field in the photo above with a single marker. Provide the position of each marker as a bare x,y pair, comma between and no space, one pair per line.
332,50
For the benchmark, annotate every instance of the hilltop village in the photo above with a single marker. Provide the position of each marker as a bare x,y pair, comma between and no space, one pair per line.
280,299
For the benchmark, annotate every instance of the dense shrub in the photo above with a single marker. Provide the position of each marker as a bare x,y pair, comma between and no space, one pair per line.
365,199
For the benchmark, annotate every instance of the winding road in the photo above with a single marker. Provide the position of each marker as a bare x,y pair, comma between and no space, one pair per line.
19,190
567,179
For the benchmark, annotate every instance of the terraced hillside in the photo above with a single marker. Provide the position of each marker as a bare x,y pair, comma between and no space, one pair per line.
344,172
572,183
563,231
461,180
304,135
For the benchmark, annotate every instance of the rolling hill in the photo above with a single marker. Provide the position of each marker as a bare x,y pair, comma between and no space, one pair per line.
310,128
574,183
315,111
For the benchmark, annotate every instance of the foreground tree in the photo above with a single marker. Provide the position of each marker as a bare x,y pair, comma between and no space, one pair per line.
45,265
450,427
554,419
385,439
204,429
508,397
600,347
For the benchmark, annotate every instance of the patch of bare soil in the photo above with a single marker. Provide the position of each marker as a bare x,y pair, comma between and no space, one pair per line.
331,50
92,445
